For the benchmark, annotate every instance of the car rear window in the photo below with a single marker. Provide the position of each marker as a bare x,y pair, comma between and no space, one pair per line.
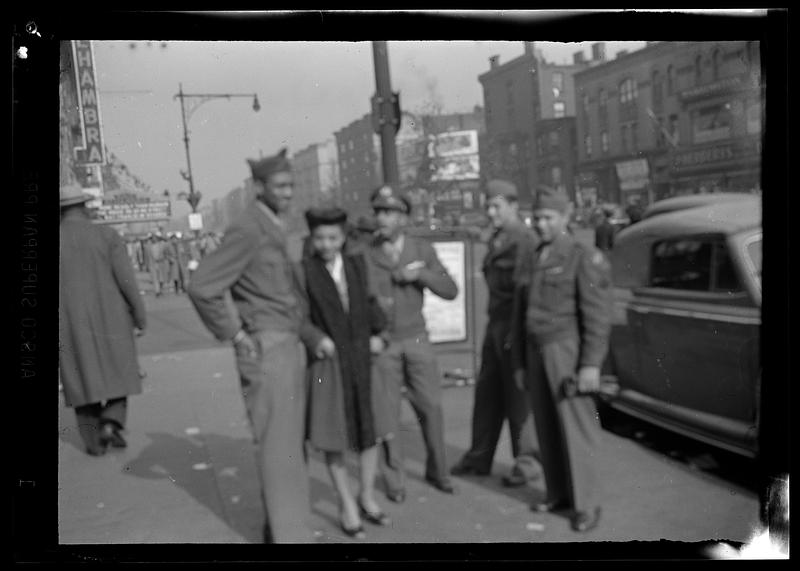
754,252
696,264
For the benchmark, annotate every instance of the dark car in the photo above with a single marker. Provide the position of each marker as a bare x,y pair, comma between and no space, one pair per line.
685,341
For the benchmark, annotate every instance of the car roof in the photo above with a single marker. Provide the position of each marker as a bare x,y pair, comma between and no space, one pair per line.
630,256
724,214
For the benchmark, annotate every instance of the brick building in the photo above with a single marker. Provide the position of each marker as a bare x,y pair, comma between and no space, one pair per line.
671,118
518,97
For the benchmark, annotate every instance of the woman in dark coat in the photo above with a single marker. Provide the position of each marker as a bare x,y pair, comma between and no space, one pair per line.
342,409
99,311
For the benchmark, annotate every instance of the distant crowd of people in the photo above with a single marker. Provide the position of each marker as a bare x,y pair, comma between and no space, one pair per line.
170,258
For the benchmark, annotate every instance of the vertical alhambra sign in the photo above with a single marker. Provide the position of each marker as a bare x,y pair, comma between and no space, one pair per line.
90,151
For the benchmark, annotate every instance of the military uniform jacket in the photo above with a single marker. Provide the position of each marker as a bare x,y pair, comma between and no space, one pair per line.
402,303
567,294
498,268
253,263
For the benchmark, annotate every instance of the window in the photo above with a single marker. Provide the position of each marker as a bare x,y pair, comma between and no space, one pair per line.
585,101
634,137
716,62
658,91
604,141
558,81
670,80
628,91
712,123
587,145
558,109
674,132
602,100
623,131
540,145
754,254
753,117
698,69
696,264
554,141
555,176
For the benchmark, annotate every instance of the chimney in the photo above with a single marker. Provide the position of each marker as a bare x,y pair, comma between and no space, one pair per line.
494,61
528,48
599,51
578,57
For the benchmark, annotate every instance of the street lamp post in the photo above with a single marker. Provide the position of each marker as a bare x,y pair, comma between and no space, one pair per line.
189,104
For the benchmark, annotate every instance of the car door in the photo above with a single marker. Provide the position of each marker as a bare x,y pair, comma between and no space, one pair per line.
699,331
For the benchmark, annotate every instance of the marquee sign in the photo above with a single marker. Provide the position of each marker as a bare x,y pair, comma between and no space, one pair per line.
90,152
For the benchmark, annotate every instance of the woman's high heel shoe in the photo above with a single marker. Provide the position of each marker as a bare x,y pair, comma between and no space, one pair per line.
376,518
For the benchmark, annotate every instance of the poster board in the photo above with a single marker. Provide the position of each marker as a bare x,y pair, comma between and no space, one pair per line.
447,320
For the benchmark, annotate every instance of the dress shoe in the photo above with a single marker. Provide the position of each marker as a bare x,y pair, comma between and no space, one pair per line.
550,506
468,470
586,521
111,436
266,534
445,486
397,496
356,532
375,518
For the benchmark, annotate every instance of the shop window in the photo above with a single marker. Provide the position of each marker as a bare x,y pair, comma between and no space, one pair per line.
712,123
558,109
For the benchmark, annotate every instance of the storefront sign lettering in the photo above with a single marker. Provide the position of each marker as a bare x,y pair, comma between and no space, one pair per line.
92,150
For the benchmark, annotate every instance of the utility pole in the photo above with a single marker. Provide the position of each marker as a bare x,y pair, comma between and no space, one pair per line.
385,113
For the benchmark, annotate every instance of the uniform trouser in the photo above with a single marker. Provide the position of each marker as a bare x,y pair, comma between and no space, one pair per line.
274,391
498,398
155,279
568,428
91,417
413,362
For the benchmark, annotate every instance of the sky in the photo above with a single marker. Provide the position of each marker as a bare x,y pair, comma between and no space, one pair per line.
307,91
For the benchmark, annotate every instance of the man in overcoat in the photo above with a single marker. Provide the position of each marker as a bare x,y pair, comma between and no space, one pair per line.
560,332
497,397
252,263
100,312
401,268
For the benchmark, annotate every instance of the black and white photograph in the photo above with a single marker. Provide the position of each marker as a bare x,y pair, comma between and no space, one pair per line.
361,292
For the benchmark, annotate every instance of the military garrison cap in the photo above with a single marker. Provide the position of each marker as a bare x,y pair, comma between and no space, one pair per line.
502,188
262,169
551,199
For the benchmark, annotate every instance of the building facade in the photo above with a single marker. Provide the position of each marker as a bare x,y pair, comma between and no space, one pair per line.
518,96
316,176
359,157
669,119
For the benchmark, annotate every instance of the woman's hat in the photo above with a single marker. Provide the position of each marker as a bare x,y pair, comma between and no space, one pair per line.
325,217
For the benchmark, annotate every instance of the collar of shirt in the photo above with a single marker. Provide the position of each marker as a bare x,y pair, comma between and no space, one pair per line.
270,214
335,268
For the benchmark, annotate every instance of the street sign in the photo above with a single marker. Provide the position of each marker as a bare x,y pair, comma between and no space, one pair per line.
196,221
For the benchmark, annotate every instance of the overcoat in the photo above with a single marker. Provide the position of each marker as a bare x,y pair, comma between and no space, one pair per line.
341,411
99,306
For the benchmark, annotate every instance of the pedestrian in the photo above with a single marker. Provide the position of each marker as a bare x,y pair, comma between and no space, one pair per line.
497,397
560,332
604,231
402,267
177,263
634,212
252,265
347,325
163,254
100,313
152,256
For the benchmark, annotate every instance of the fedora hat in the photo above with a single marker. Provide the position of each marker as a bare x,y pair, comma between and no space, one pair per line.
72,194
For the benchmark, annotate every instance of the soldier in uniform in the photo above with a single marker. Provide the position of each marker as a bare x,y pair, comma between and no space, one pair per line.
401,267
562,321
252,263
497,397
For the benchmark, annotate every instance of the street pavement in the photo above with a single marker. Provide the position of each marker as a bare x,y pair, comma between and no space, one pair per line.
188,474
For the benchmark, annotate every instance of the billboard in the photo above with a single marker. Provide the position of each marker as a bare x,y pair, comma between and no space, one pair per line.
446,320
454,156
131,208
